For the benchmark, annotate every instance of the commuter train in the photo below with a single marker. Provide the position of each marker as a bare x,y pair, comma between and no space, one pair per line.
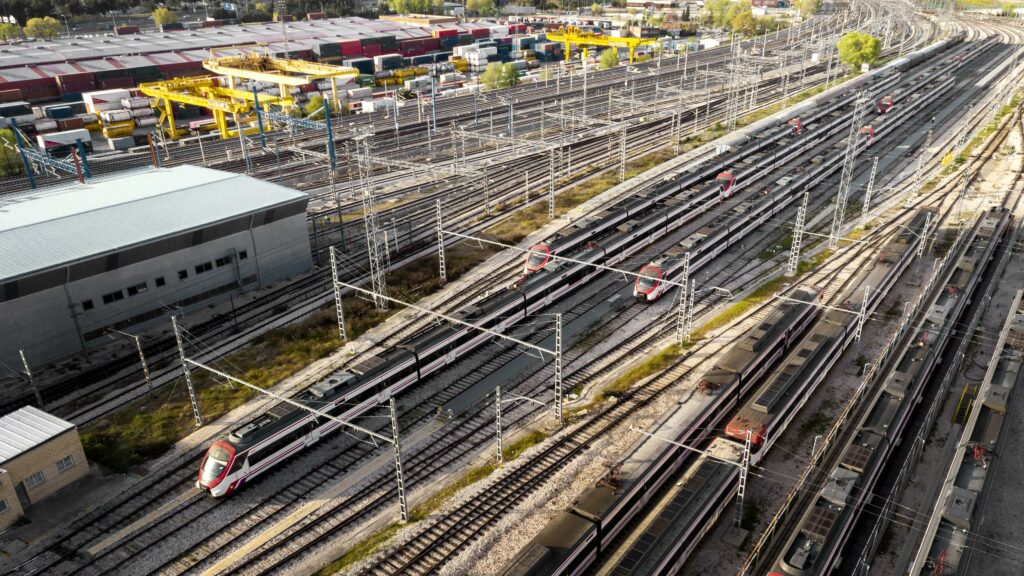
777,401
814,546
573,539
607,238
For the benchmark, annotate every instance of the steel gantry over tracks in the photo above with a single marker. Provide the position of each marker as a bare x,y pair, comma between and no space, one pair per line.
573,35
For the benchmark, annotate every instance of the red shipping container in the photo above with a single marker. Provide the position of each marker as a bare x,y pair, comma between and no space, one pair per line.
409,44
372,50
480,33
316,16
351,47
10,95
431,44
445,33
68,84
416,52
122,82
70,124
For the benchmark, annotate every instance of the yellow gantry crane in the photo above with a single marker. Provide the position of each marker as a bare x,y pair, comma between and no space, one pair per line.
205,92
573,35
221,96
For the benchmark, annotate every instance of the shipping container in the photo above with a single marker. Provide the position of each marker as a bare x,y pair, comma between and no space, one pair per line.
45,125
113,83
145,122
123,30
118,129
351,47
115,116
20,112
70,124
62,141
136,102
364,65
58,112
10,96
142,112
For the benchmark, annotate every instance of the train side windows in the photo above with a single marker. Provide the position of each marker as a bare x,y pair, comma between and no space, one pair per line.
204,267
113,297
237,465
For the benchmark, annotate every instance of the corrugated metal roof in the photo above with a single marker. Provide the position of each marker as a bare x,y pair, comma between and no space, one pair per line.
26,428
54,227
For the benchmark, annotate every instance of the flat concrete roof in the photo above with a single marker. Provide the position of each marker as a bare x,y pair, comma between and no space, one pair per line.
58,226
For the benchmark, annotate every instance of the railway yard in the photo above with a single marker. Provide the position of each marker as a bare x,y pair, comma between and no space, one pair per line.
742,310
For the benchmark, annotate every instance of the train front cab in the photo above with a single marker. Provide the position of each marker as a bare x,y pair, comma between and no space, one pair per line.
220,461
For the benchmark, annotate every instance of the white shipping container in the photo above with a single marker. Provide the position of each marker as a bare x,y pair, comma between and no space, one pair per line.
115,116
360,93
143,122
141,112
368,106
135,102
88,118
66,138
45,125
103,100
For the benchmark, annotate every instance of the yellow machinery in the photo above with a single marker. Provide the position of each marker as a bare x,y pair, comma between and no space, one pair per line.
205,92
573,35
286,73
221,96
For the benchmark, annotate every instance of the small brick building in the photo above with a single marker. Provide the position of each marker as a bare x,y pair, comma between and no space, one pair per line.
39,455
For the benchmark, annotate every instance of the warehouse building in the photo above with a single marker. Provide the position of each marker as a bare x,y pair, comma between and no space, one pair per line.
39,455
124,252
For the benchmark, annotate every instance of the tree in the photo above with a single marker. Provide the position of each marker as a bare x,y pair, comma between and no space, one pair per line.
10,161
596,9
314,109
9,31
498,75
480,6
609,59
808,7
856,48
45,28
163,16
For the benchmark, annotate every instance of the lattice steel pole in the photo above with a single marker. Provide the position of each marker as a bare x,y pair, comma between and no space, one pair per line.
863,314
852,148
31,380
919,171
558,367
924,234
441,270
403,504
188,373
622,156
684,282
551,186
373,232
866,208
741,489
338,310
689,310
798,236
497,421
142,360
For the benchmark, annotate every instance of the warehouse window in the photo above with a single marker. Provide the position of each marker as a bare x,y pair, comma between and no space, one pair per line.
113,297
159,282
182,274
35,480
204,267
65,463
3,505
243,255
223,261
137,289
87,305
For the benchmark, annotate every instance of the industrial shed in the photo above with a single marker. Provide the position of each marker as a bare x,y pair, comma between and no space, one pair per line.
125,251
39,455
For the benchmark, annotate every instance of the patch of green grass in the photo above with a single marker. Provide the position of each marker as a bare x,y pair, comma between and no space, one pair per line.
363,549
649,367
370,545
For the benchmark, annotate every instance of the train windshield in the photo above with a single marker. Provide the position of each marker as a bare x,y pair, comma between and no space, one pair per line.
216,460
539,256
649,279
